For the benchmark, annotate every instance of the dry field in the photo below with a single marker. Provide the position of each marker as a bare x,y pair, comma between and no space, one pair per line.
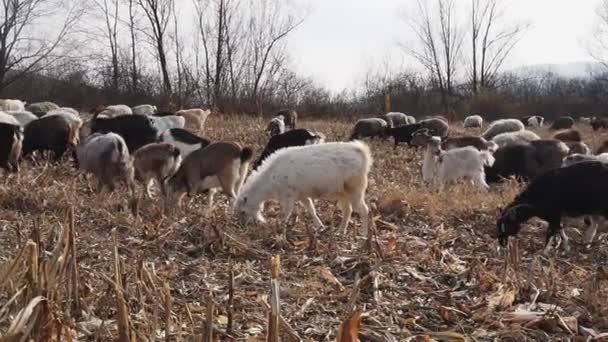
77,266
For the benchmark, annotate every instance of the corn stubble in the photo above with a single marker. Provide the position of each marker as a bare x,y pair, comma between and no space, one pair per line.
75,265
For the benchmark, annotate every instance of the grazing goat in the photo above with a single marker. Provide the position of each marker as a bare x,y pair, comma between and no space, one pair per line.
74,120
568,135
291,117
515,138
52,133
184,140
370,127
144,109
563,122
156,160
24,117
421,137
442,167
276,126
337,170
106,156
136,130
41,108
473,121
295,137
502,126
11,141
526,161
195,118
219,165
12,105
576,190
395,119
405,133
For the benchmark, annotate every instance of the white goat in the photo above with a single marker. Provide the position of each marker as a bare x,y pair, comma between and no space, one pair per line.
448,166
536,121
337,170
276,126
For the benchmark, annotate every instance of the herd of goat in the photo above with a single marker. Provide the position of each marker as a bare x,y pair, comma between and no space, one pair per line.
124,144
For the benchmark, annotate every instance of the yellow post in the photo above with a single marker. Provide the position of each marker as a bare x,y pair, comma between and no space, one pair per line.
387,102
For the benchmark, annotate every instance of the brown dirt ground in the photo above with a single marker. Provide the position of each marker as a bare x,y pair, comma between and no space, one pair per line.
432,271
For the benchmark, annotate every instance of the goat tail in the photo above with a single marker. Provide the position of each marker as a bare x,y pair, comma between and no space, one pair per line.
246,154
73,135
366,155
487,158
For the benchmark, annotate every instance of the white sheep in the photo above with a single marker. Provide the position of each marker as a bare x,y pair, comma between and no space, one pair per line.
514,138
115,110
12,105
503,126
23,117
337,170
144,109
9,119
64,110
473,121
448,166
195,118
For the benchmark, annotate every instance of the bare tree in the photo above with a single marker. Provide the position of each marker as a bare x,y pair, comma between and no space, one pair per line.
158,13
491,41
25,45
440,40
269,24
132,28
110,9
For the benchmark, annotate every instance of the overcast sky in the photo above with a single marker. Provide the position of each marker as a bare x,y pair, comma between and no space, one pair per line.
340,38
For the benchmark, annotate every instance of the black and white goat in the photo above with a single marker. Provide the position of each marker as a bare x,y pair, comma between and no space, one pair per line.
296,137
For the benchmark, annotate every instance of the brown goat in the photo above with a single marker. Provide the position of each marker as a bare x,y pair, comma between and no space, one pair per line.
218,165
156,160
291,117
568,135
603,148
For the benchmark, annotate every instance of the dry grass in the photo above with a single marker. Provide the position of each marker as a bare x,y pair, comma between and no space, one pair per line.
74,265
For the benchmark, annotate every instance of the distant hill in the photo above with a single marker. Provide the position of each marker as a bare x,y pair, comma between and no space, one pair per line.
567,70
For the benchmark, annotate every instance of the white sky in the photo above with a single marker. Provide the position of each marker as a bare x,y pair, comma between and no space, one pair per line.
341,37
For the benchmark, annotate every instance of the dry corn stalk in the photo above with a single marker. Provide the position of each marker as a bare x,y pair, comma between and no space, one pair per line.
122,310
274,314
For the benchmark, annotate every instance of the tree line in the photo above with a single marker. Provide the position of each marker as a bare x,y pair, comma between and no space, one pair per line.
232,56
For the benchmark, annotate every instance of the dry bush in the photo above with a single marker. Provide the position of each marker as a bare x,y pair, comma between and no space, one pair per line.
430,270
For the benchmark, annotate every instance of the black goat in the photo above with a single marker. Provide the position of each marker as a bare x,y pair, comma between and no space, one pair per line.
598,123
50,133
295,137
526,161
576,190
137,130
404,133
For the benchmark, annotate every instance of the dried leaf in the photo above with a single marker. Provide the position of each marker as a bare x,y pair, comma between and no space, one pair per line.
391,244
328,276
349,330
